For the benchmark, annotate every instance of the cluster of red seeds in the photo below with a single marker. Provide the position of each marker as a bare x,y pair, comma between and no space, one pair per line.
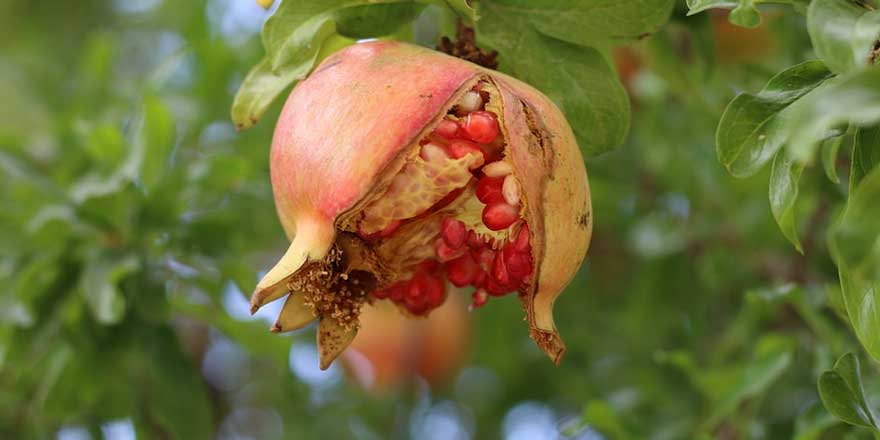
463,257
426,289
474,133
471,261
467,261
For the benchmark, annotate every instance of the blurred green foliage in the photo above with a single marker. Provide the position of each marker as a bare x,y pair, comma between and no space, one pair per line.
134,218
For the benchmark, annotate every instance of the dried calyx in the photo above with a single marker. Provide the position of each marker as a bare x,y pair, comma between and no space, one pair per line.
458,176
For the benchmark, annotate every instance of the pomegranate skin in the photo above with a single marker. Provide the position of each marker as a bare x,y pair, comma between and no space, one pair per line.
348,120
356,115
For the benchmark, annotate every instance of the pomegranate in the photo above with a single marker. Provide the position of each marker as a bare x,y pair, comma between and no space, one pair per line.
391,350
396,169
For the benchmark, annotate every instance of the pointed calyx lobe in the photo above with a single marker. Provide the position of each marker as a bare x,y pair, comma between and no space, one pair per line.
402,174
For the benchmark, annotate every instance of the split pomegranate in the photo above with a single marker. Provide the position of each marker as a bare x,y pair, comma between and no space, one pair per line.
399,171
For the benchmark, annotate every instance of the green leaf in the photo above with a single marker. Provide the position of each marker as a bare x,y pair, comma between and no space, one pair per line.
461,7
862,302
290,17
372,20
829,150
811,423
252,335
106,145
865,37
854,239
262,85
850,99
178,399
833,26
784,178
578,79
583,22
99,285
157,138
842,393
295,35
752,127
773,355
602,416
865,155
744,13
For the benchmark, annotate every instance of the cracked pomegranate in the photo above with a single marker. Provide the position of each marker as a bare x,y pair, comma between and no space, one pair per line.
396,169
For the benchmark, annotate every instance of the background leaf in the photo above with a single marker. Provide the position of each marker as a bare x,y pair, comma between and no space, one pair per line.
865,155
855,238
157,138
581,82
843,395
829,152
849,99
582,22
744,12
753,127
370,20
99,284
784,178
832,25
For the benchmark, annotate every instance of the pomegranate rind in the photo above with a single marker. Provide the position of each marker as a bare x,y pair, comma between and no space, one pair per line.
543,149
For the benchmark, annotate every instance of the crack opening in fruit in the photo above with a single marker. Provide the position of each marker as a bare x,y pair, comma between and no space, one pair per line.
450,213
461,196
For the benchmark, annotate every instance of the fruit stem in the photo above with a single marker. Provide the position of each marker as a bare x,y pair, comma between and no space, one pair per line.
465,47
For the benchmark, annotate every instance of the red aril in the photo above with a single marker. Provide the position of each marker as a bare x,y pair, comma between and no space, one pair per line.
453,232
480,126
489,189
462,271
447,129
499,215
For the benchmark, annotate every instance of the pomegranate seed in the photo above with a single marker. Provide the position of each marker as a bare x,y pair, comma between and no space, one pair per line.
480,279
460,148
510,190
499,269
380,293
433,153
496,169
447,129
480,297
446,253
471,101
474,241
495,288
522,239
484,257
428,266
435,291
462,270
415,288
480,126
453,232
518,265
498,216
489,190
416,306
398,290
